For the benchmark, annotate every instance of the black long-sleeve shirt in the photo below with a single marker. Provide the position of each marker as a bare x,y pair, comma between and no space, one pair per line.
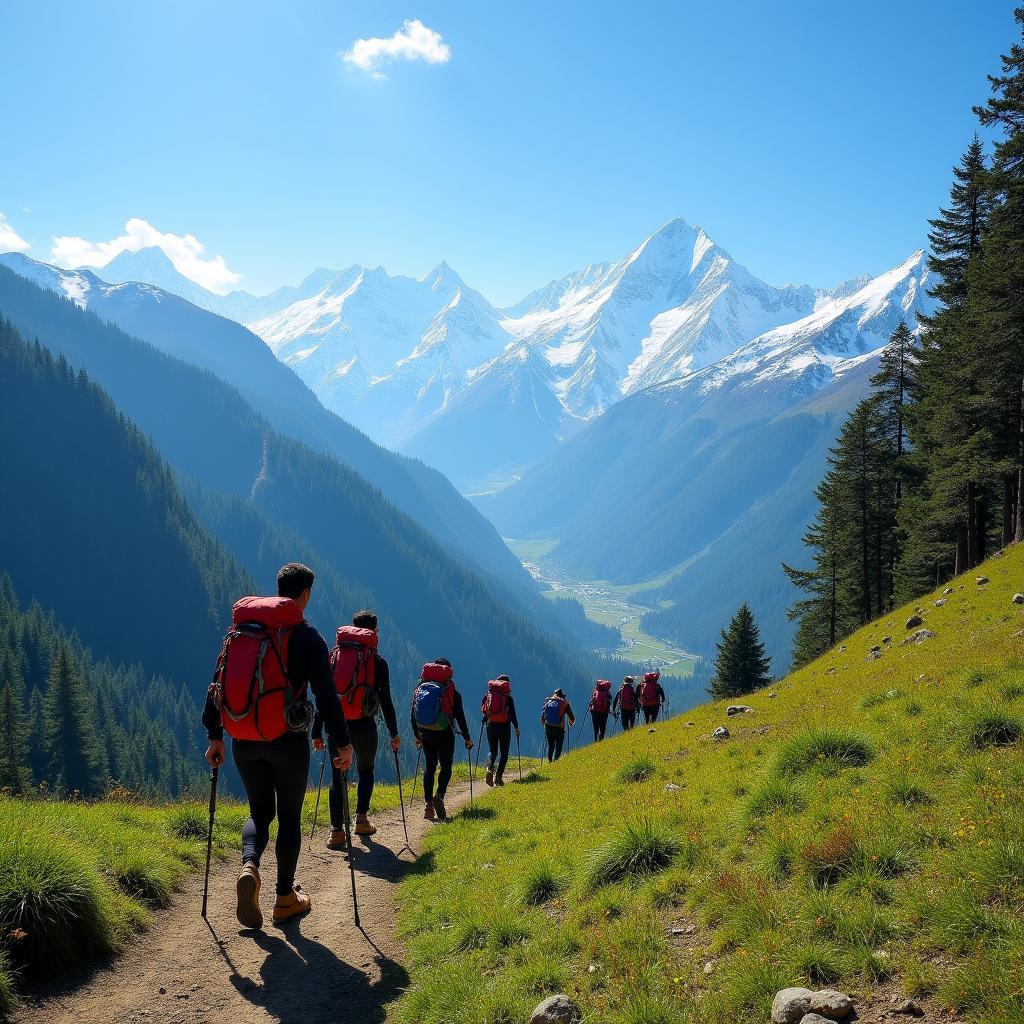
568,713
512,717
458,717
382,687
309,664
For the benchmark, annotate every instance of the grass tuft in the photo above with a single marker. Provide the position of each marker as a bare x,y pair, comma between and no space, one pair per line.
824,749
542,882
636,850
993,727
638,769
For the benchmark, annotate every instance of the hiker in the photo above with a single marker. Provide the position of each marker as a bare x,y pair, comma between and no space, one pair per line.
652,696
600,707
436,710
363,682
625,703
271,655
498,709
553,715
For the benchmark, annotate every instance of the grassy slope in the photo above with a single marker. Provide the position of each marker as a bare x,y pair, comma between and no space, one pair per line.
789,866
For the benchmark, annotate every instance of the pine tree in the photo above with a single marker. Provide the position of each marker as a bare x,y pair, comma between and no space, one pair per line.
14,769
741,665
75,757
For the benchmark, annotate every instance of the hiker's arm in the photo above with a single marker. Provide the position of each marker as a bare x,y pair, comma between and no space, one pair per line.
615,704
412,723
460,717
321,682
387,703
212,722
318,730
512,716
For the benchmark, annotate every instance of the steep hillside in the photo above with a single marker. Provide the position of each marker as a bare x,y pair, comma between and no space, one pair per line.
860,828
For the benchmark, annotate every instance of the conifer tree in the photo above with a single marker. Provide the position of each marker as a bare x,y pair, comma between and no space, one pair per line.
14,768
741,665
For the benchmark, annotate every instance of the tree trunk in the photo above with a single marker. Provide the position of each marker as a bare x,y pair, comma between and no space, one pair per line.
961,565
1009,508
981,527
1018,527
972,526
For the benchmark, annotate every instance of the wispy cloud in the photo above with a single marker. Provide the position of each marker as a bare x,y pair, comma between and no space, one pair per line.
184,251
10,240
413,41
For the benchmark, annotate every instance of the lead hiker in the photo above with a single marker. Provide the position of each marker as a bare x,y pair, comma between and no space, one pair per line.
625,703
363,682
652,696
553,715
498,709
270,658
600,707
436,710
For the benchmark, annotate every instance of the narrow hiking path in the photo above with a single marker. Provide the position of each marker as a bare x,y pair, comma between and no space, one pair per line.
319,968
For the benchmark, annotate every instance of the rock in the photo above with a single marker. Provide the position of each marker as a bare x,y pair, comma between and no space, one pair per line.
678,931
592,969
691,929
886,639
709,967
948,591
940,602
790,1005
981,581
873,655
1017,599
738,709
815,1018
918,637
690,725
163,991
652,730
558,1009
671,787
914,621
832,1004
842,650
771,696
875,648
721,733
909,1007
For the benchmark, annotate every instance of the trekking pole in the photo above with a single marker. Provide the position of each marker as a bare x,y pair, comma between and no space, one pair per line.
415,775
401,802
478,745
209,835
519,751
348,840
469,759
320,785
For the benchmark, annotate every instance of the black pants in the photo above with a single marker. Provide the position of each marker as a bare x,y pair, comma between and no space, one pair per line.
275,775
363,732
651,712
628,719
600,723
438,753
499,739
556,737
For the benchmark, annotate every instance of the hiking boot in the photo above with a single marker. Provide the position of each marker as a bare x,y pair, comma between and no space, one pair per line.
291,905
439,808
363,826
337,840
489,777
428,811
499,781
247,891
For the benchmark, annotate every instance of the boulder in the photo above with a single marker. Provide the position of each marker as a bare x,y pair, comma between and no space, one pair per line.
815,1018
918,637
721,733
940,602
981,581
832,1004
738,709
948,591
652,729
914,621
909,1007
791,1005
886,639
558,1009
1017,599
671,787
873,655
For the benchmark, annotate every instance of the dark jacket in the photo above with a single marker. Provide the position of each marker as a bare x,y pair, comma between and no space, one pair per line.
382,687
458,717
567,714
309,664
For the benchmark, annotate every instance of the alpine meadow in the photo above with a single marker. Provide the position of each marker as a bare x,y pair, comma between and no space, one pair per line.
440,583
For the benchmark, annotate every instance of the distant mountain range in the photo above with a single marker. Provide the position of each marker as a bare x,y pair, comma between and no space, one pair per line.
430,367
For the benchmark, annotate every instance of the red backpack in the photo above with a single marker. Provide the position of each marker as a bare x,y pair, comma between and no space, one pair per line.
354,664
649,689
601,701
627,697
496,705
251,685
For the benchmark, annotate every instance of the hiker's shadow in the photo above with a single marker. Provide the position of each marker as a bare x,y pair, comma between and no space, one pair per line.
380,861
303,981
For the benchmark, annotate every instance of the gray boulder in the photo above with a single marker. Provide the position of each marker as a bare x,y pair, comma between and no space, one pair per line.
981,581
914,621
738,709
815,1018
721,733
908,1007
940,602
558,1009
791,1005
948,591
1017,599
832,1004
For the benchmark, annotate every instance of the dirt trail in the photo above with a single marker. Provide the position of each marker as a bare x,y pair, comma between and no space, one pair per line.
319,968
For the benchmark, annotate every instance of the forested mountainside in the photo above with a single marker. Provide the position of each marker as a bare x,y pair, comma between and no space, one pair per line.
237,356
71,723
271,496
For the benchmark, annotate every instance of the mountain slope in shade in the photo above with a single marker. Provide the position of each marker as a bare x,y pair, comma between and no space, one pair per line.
234,354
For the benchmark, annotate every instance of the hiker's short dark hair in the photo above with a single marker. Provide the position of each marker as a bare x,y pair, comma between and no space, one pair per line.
442,661
293,579
627,679
504,678
365,619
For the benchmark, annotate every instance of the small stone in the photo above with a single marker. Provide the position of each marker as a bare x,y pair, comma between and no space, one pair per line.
678,931
940,602
909,1007
592,969
790,1005
652,730
691,929
886,639
709,967
815,1018
873,655
163,991
914,621
1017,599
948,591
875,648
721,733
981,581
738,709
671,787
832,1004
842,650
558,1009
771,696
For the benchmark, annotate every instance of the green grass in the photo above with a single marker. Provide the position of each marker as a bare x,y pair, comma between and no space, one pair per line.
867,823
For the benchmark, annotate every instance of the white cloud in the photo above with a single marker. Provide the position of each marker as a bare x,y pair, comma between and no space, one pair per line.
413,41
184,251
10,240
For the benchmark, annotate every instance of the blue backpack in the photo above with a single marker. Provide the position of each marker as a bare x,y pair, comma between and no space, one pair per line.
553,710
431,706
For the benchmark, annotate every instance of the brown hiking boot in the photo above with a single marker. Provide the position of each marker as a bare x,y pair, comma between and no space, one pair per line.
439,808
363,826
499,781
428,811
247,891
291,905
337,840
489,777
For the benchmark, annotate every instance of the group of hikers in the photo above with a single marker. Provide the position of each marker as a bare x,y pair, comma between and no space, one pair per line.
272,658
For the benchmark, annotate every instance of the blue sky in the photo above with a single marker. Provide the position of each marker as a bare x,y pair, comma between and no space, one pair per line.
810,139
